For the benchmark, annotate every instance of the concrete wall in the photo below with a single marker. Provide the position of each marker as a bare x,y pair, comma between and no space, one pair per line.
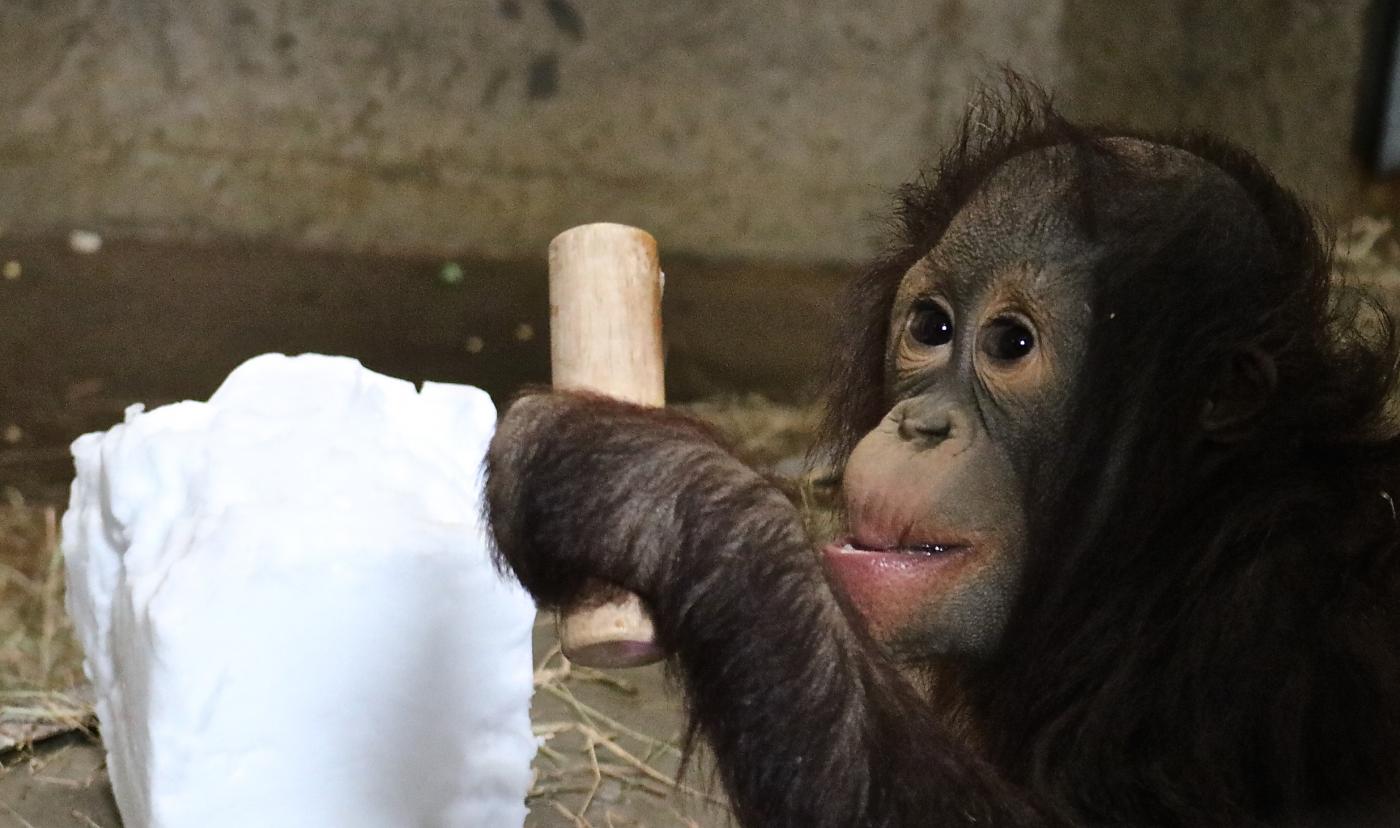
734,128
1279,76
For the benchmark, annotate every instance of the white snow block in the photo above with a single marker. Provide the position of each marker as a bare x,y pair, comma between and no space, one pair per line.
288,610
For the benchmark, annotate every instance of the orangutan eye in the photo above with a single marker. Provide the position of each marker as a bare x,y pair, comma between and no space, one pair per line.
1007,340
930,324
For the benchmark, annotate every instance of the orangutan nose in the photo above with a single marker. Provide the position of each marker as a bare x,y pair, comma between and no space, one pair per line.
926,421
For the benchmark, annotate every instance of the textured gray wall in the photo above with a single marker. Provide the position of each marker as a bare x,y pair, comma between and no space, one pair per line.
1279,76
729,127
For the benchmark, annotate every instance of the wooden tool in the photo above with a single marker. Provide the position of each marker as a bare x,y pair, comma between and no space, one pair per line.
605,336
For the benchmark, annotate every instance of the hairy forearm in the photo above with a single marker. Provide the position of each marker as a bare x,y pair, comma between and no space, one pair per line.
808,722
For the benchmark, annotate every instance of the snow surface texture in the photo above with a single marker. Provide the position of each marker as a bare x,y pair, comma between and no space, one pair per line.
288,610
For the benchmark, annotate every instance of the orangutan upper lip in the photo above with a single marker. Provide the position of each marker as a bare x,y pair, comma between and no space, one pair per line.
856,545
931,548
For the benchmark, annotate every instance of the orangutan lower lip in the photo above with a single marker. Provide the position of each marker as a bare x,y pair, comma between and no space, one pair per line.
892,587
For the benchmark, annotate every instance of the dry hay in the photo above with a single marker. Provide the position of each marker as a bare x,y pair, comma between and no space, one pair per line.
41,677
765,434
1368,252
591,766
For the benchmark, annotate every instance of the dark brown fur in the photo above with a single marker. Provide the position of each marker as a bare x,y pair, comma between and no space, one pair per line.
1204,637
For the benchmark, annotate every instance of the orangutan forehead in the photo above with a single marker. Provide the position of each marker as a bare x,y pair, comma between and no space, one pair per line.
1035,195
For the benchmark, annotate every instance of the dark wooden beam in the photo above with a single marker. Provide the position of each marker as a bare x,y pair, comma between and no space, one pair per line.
83,336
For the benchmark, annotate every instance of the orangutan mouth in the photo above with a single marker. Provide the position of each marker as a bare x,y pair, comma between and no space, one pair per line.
852,545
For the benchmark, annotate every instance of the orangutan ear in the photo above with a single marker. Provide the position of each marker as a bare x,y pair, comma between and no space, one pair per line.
1246,385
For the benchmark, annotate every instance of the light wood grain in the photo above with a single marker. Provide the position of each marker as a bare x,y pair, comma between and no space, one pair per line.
605,336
